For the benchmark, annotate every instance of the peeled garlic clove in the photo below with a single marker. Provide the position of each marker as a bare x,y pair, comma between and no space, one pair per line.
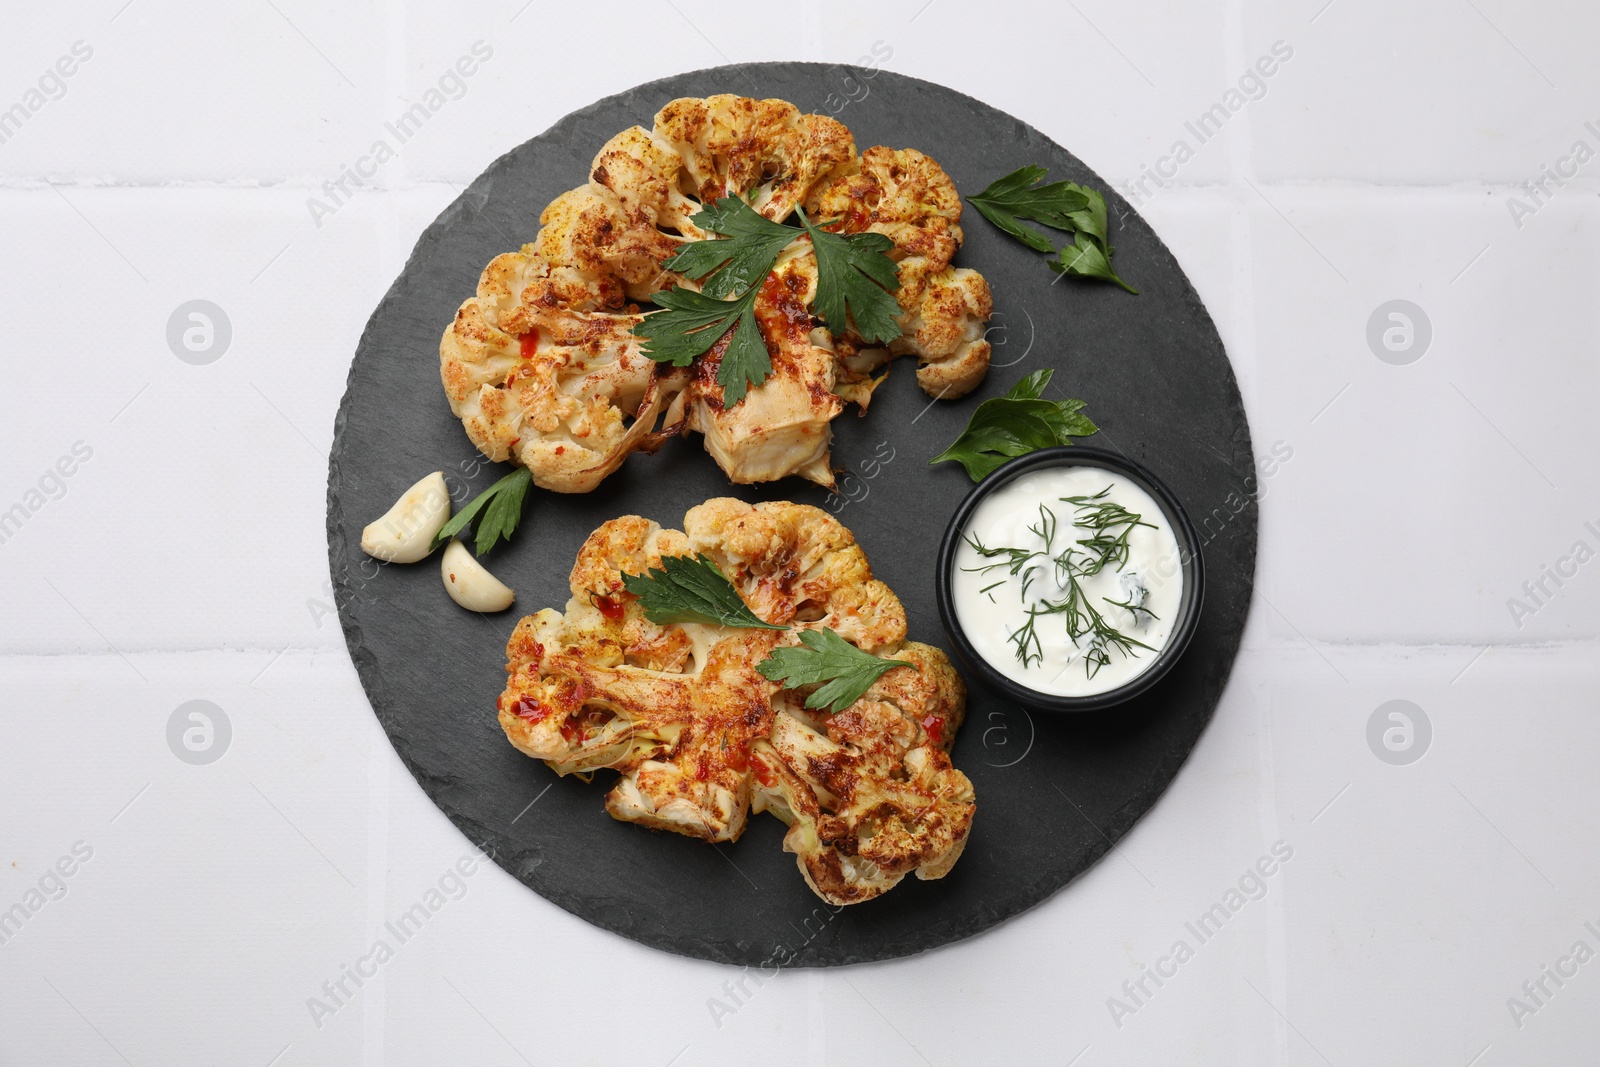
469,584
405,532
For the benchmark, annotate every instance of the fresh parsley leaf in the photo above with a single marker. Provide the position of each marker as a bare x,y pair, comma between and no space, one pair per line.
1020,422
853,273
1030,387
1066,206
1087,258
692,589
1092,219
501,507
690,323
750,248
845,670
1015,197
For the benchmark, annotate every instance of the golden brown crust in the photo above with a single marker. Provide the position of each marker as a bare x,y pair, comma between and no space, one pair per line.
783,427
566,394
700,737
907,197
588,397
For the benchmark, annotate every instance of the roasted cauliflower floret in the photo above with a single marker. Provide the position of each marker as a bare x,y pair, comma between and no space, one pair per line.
907,197
943,324
901,194
763,150
586,399
566,394
867,802
796,564
784,427
700,737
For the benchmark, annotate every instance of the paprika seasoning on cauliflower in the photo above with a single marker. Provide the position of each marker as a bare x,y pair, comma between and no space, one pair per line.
542,365
701,735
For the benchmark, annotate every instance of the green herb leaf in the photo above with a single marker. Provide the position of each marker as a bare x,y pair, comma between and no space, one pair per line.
1087,258
1110,524
854,277
688,324
746,360
1020,422
1092,219
743,259
1032,386
1066,206
1015,197
692,589
854,274
691,323
501,507
845,670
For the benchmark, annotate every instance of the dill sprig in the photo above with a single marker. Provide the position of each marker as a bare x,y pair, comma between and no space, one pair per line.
1108,525
1026,637
1102,517
1133,609
1016,561
1082,618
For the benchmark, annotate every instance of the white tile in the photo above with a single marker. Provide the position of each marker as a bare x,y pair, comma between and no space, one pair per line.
252,94
1427,493
1423,93
246,874
1442,867
1089,102
1112,86
524,79
202,871
184,558
205,485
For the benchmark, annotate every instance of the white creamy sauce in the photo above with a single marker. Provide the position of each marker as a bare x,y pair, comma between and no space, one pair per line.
1023,623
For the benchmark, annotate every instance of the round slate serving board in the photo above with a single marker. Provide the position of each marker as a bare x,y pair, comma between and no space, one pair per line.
1053,794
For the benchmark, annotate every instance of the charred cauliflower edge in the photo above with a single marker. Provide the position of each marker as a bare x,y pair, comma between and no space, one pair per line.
541,365
700,737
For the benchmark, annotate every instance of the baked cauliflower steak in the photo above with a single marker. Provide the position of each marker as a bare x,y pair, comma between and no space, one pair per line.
541,364
700,738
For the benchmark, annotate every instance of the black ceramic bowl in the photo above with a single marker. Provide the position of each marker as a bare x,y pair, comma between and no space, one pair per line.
1189,558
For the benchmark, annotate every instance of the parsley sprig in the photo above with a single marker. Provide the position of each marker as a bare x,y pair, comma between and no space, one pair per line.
691,323
854,278
853,273
844,670
749,247
1008,200
1065,206
694,589
1005,427
501,508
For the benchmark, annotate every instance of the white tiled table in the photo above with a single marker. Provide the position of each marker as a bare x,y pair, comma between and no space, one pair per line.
184,558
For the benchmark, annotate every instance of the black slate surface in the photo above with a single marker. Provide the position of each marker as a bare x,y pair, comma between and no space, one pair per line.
1053,794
